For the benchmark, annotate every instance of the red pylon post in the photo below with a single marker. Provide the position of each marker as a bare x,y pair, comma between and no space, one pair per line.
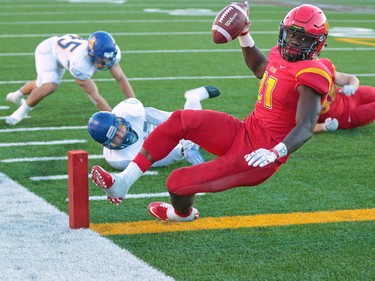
78,189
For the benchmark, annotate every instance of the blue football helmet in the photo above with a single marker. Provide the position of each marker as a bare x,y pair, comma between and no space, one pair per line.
102,50
103,127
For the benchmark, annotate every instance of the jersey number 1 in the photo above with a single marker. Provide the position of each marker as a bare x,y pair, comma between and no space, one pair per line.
269,82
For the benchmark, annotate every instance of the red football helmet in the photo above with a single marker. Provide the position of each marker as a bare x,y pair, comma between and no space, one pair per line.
308,21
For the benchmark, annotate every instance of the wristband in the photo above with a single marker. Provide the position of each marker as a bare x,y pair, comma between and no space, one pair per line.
246,41
280,150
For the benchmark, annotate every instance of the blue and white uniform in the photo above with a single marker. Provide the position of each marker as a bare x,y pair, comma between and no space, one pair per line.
55,55
143,120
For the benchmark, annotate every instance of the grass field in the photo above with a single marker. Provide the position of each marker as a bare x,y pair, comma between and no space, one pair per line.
167,49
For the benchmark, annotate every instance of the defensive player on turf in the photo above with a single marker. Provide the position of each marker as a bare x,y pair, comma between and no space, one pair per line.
294,84
130,116
82,58
348,105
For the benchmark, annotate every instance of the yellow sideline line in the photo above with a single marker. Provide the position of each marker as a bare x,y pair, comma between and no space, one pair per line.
143,227
360,41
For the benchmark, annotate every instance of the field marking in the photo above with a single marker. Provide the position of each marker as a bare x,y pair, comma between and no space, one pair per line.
131,196
63,22
98,1
5,117
62,128
234,222
191,51
137,21
358,41
65,177
56,142
42,159
144,79
136,196
37,244
127,34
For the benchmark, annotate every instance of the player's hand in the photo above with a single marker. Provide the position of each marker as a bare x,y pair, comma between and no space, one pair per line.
192,154
348,90
246,29
330,124
260,157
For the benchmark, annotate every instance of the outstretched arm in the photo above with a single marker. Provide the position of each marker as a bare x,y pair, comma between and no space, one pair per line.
122,81
255,60
348,82
92,91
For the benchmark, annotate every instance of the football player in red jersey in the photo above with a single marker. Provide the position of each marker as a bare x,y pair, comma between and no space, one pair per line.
294,84
348,104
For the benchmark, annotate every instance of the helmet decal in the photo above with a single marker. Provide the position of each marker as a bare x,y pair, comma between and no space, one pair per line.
91,43
102,50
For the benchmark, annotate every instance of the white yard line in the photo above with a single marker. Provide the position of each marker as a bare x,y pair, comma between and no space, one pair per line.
65,177
136,196
56,142
42,159
37,244
62,128
173,78
128,52
131,196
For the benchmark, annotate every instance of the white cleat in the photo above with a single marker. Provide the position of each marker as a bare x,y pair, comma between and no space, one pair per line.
14,97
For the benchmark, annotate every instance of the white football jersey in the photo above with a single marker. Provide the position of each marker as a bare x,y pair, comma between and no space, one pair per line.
70,51
143,121
133,111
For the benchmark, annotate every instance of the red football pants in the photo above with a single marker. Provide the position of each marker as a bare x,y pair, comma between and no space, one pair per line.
362,108
218,133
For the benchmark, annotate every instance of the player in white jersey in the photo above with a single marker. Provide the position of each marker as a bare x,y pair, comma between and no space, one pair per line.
82,58
132,123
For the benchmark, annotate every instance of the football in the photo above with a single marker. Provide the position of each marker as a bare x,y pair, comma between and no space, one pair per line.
229,23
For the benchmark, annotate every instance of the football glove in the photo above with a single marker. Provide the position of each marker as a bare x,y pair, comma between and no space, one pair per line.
330,124
348,90
263,157
191,153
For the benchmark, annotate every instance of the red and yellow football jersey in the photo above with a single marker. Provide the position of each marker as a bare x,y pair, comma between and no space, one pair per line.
335,104
275,110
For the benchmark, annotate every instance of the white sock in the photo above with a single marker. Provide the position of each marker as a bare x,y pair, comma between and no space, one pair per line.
193,102
25,106
130,175
200,92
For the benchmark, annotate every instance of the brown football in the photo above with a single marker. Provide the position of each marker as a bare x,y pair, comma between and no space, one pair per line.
229,23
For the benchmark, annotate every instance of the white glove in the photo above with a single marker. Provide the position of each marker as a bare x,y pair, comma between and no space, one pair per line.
262,157
330,124
348,90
